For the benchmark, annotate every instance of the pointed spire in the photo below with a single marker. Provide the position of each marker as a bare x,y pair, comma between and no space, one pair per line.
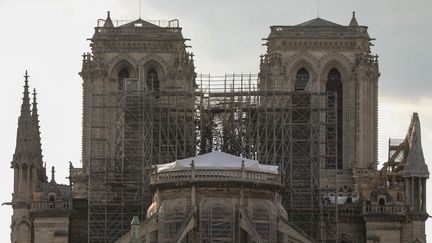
35,116
108,21
415,164
28,146
353,21
34,104
25,106
52,174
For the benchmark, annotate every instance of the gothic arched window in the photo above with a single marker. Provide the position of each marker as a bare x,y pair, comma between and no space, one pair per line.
334,87
122,75
152,79
301,80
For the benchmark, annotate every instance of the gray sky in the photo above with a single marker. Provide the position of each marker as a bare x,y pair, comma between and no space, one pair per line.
47,37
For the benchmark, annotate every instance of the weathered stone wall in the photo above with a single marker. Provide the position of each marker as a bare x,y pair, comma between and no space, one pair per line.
51,230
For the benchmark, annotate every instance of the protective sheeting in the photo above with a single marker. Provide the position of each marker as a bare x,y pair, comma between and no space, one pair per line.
263,215
342,199
171,216
217,160
217,220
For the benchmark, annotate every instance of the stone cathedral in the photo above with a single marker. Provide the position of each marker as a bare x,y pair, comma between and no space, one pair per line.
169,155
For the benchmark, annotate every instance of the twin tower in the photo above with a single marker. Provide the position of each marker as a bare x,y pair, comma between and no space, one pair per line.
312,110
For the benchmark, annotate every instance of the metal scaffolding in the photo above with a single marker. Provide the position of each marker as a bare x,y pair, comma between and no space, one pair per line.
230,113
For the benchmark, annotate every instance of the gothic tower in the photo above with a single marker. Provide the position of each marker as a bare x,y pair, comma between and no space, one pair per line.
138,100
321,58
29,173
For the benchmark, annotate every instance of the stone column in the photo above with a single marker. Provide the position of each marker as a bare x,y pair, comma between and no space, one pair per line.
408,191
20,181
16,181
423,194
34,177
28,182
412,194
419,196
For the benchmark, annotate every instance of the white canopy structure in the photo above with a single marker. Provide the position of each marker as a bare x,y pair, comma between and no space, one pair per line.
217,160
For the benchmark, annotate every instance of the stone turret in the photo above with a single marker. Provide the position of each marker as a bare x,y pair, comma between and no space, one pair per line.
353,21
29,173
416,171
27,160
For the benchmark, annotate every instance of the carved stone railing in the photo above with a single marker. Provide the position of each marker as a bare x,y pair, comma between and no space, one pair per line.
77,172
137,30
349,210
289,29
42,205
392,209
215,175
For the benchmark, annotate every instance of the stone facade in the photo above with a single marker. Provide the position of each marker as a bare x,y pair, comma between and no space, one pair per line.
139,84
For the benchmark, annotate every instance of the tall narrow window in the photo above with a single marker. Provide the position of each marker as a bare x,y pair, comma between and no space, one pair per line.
302,79
334,87
153,80
51,201
122,75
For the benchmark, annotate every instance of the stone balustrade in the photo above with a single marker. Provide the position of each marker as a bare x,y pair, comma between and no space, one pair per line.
393,209
349,210
103,30
42,205
345,29
215,175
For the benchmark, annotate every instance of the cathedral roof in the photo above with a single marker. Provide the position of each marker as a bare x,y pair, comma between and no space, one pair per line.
319,28
139,23
415,164
138,30
318,22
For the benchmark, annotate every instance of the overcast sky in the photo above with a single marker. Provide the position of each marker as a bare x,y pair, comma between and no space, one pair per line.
48,37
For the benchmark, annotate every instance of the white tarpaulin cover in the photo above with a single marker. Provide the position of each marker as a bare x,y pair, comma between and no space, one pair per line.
217,160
